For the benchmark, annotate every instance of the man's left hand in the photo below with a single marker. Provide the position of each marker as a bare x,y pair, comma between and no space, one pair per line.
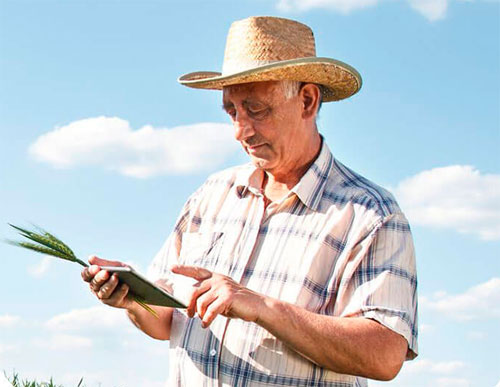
216,294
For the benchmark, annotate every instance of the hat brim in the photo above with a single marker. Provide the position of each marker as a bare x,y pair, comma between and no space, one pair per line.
339,80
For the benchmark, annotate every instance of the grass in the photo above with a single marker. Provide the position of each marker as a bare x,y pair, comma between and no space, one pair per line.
16,381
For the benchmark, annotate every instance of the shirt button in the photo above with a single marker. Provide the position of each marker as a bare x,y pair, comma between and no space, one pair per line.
213,352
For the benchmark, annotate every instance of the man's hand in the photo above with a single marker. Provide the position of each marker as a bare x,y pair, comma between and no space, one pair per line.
216,294
104,286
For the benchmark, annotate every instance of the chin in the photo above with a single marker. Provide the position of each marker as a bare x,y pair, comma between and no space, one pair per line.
261,163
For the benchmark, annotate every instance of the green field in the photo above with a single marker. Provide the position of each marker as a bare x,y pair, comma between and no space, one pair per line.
16,381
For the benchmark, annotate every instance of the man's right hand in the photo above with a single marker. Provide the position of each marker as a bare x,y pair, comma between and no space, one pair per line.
104,286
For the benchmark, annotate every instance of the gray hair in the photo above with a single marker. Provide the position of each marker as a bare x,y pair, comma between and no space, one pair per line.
292,88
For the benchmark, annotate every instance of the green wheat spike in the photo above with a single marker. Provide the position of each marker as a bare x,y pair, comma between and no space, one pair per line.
47,243
50,241
43,240
57,241
40,249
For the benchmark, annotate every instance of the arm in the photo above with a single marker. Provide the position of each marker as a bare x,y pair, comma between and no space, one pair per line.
356,346
108,290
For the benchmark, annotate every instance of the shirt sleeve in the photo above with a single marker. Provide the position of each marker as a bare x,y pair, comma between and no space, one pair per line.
383,284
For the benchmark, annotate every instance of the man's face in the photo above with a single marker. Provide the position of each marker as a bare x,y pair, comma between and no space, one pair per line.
268,126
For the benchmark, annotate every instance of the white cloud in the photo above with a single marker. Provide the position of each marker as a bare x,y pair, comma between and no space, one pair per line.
447,367
343,6
97,317
8,320
457,197
76,328
64,342
480,301
432,9
38,270
6,349
110,142
453,382
476,335
435,367
426,328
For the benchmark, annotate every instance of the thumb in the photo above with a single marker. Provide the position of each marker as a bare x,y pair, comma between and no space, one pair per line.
94,260
196,272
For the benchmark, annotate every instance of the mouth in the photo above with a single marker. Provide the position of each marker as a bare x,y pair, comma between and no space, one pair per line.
253,148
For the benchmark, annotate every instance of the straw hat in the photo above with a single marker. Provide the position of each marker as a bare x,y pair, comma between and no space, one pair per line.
271,49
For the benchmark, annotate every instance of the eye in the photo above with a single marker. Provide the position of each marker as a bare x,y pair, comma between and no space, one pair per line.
258,112
230,110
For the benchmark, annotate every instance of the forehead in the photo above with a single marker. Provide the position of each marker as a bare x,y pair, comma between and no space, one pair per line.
261,91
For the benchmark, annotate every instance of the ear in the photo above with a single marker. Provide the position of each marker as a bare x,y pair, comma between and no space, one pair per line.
309,95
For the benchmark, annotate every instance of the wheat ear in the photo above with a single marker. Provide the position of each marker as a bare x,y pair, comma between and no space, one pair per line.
46,243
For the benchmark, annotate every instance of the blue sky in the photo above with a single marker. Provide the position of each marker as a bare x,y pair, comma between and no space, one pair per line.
100,145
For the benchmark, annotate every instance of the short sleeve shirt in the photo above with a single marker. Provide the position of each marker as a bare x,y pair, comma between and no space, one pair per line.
336,245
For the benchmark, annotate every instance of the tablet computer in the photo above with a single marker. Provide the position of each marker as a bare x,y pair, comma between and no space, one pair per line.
144,288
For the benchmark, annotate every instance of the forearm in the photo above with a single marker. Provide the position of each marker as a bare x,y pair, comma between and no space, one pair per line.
355,346
156,327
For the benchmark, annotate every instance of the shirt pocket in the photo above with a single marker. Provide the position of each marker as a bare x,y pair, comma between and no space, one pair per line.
201,249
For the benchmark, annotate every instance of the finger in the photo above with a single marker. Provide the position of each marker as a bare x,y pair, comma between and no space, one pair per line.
214,309
203,302
196,272
86,275
95,260
89,272
118,297
99,279
107,289
200,289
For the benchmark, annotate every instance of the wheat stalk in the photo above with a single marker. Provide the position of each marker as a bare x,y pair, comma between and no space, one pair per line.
46,243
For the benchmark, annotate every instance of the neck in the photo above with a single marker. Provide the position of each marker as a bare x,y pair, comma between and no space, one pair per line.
278,185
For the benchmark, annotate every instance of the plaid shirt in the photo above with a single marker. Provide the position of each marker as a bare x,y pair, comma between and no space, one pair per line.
337,245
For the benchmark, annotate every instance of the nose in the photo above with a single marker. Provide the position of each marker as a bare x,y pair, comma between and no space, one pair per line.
243,126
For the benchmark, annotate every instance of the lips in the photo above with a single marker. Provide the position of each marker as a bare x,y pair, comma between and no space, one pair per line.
254,148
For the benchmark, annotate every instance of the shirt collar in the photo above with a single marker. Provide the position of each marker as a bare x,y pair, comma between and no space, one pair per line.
309,189
250,179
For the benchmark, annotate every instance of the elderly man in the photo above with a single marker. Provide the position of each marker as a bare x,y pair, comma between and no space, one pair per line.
303,272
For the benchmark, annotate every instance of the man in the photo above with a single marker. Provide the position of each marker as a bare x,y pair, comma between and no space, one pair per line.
303,271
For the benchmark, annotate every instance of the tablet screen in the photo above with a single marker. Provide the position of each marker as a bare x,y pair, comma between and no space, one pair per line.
143,288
